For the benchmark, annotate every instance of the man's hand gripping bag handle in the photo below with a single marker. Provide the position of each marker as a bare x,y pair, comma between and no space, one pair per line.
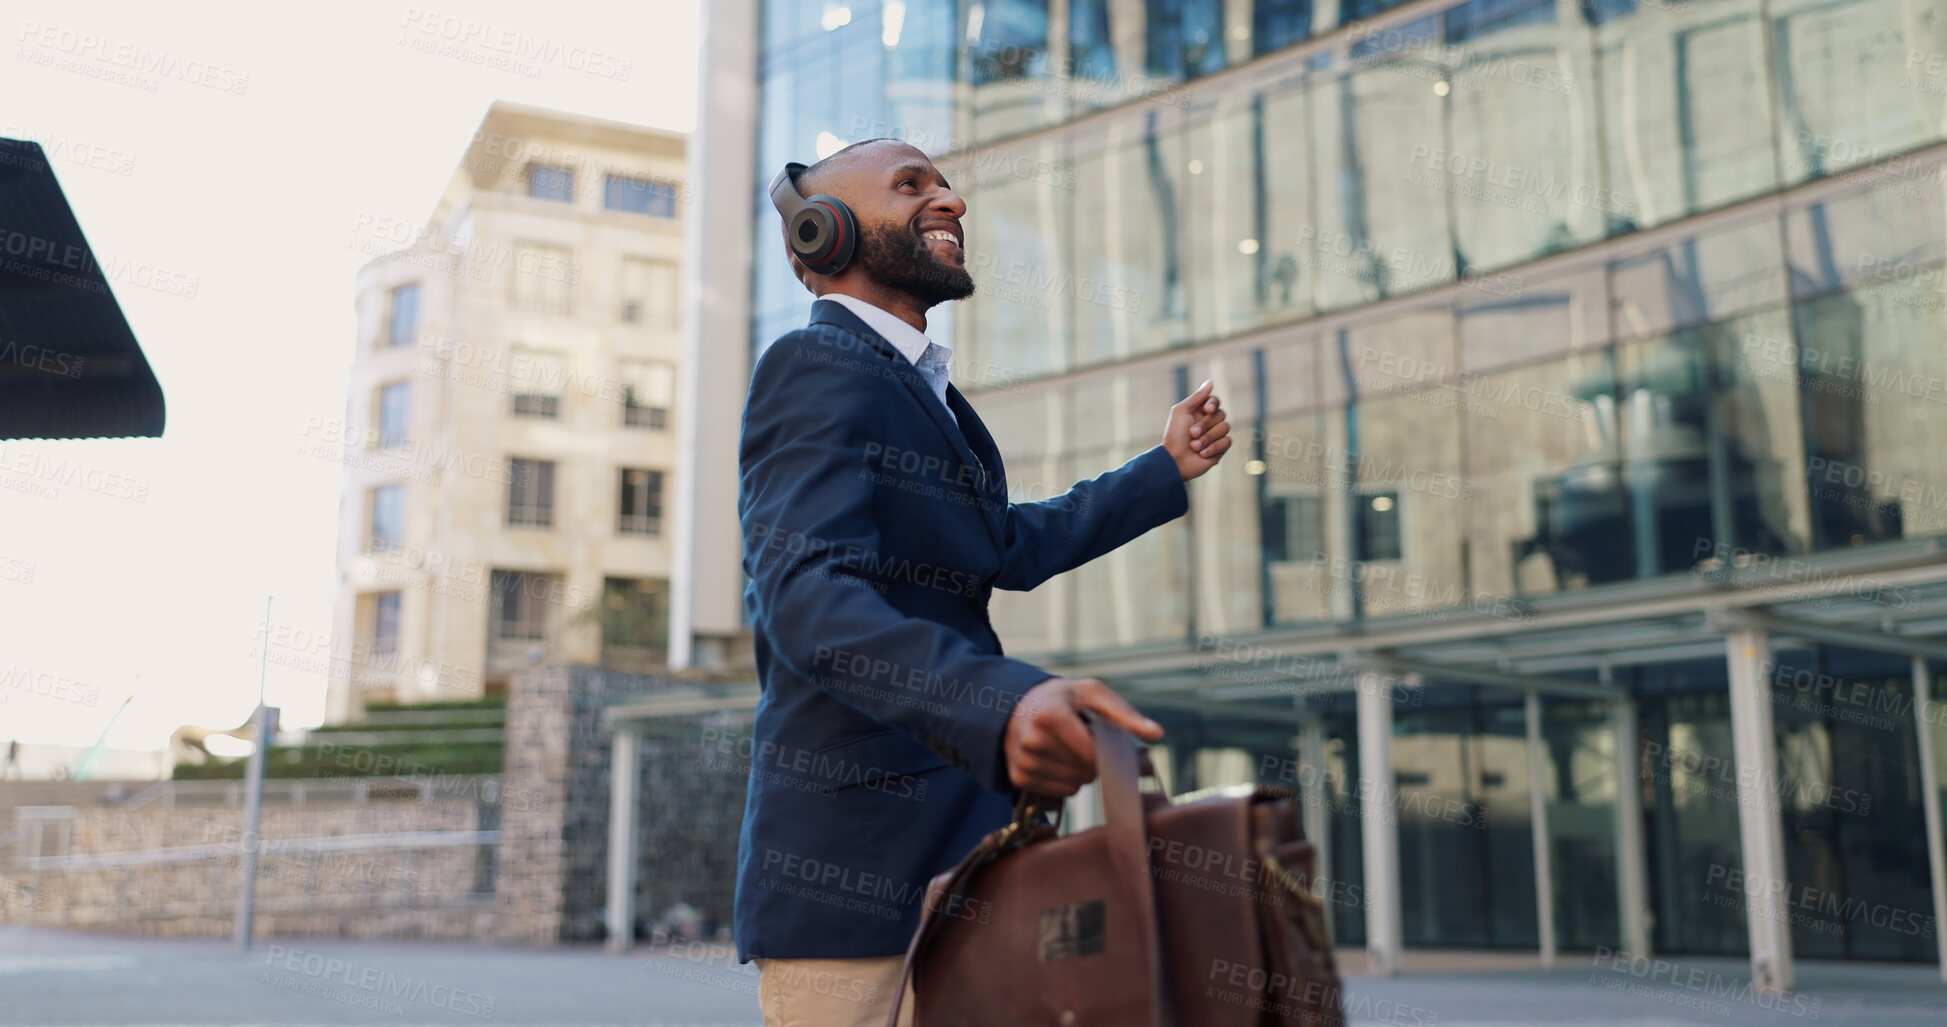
1118,768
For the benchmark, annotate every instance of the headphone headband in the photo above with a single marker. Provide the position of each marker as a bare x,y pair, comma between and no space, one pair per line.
784,190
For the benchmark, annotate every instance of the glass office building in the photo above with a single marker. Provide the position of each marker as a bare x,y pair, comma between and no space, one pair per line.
1580,552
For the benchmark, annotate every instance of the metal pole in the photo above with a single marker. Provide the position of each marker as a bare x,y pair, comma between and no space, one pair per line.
1538,824
1923,718
1632,865
1760,823
1379,824
621,839
253,799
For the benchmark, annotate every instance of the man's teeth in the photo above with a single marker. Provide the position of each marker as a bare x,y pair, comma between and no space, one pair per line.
941,233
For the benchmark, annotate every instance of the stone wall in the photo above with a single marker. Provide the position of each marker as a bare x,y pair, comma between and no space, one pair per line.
552,873
544,882
552,883
424,891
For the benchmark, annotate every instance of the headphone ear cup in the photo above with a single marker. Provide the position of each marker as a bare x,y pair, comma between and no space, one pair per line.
828,248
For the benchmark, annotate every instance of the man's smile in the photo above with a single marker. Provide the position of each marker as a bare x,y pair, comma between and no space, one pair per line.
945,238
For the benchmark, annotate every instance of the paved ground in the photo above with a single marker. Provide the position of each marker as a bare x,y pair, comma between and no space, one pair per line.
64,978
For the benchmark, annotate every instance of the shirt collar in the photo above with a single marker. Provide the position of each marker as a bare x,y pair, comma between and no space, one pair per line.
909,341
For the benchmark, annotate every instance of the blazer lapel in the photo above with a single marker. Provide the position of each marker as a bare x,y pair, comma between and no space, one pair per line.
834,314
993,488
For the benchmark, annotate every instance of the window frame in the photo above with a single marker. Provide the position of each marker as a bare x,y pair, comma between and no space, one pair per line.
646,497
530,504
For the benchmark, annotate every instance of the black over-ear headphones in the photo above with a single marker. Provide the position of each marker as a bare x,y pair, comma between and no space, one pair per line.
821,228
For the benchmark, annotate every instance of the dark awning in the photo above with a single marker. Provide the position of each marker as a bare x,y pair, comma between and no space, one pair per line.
70,367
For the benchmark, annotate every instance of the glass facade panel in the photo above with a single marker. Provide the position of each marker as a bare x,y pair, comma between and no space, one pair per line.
1140,592
1578,741
1848,791
1127,294
1691,804
1016,252
1540,500
1771,381
1029,427
1516,156
1858,81
1461,801
1685,110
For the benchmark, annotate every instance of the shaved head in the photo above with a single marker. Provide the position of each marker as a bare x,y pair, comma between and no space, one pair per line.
815,178
911,246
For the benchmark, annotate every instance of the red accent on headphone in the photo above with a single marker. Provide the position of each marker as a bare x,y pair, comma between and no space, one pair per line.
838,234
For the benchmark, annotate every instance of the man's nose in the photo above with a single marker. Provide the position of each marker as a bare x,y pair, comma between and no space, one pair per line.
949,202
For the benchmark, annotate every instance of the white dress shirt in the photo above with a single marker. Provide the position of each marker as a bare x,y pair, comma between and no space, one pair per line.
909,341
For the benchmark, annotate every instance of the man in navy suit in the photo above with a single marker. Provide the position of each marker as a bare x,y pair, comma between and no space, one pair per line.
892,734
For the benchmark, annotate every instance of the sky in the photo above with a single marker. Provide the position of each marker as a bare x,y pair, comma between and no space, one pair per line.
220,155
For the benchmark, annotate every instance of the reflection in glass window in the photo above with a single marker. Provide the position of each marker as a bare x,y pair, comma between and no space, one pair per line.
1294,529
1010,40
1185,37
1091,46
918,36
1276,24
1379,535
1691,128
1858,81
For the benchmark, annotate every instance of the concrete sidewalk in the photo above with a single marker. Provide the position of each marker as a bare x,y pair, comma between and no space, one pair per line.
64,979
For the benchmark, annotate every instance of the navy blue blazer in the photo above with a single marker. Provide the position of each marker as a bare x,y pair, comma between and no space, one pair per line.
875,529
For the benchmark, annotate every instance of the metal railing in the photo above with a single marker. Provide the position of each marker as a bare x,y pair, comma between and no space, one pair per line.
388,842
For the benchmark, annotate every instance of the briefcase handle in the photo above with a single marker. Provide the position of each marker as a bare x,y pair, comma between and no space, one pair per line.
1119,766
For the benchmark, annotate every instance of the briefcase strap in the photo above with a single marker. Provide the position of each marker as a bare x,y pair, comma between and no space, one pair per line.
1118,768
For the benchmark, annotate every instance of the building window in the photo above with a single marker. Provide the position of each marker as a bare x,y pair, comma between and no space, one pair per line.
636,415
520,605
544,278
635,613
388,516
1294,529
1379,537
402,315
640,196
641,506
1013,42
648,292
533,404
530,493
1186,38
646,394
394,408
1277,24
385,623
548,182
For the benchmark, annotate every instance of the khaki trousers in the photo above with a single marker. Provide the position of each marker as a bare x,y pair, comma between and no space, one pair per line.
831,992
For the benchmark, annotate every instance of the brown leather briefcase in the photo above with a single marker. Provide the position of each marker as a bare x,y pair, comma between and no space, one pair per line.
1195,914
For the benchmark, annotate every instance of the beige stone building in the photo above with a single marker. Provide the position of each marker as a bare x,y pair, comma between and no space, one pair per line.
509,437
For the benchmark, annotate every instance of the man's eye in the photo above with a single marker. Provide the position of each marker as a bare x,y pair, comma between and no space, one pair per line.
903,183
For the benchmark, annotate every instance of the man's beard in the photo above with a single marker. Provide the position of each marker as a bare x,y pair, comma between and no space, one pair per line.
899,258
